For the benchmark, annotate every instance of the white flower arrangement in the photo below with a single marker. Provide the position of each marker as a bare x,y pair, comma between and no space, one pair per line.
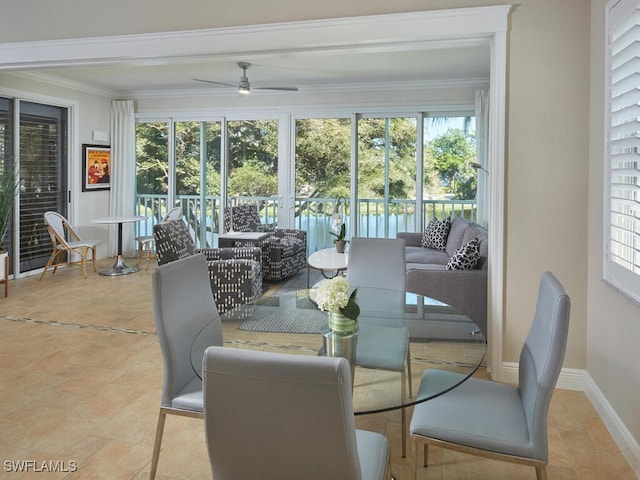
338,227
333,297
336,222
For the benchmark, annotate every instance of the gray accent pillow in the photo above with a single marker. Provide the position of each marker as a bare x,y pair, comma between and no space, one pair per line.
436,233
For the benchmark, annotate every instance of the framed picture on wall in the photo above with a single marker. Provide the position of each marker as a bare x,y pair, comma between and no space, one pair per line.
96,167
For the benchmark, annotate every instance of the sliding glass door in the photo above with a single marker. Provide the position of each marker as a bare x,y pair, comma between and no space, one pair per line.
43,178
41,140
197,178
253,166
322,177
450,181
386,176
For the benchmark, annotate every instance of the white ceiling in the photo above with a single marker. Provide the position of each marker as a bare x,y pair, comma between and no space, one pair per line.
309,71
446,48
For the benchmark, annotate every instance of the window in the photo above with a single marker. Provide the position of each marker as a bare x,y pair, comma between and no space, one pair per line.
386,176
399,171
622,225
322,177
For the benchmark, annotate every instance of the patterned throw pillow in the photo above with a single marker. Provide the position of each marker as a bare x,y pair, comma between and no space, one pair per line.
466,257
436,233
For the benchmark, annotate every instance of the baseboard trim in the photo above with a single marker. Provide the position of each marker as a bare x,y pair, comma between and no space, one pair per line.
621,435
580,380
569,379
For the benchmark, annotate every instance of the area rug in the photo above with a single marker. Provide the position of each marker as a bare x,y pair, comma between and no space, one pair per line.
304,318
299,281
270,317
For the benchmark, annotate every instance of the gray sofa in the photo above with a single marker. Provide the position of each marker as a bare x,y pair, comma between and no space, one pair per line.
465,290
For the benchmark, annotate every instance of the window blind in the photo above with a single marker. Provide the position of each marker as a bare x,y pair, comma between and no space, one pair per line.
43,175
622,258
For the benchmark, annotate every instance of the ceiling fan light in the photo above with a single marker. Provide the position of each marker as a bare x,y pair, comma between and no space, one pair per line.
244,88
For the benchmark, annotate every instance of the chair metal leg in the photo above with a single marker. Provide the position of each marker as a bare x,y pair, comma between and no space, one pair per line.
409,371
403,414
416,443
425,461
164,411
541,472
157,444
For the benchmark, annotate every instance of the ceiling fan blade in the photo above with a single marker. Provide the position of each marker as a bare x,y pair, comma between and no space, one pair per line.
216,83
286,89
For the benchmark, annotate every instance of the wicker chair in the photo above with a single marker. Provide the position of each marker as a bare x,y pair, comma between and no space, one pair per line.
283,253
65,240
235,273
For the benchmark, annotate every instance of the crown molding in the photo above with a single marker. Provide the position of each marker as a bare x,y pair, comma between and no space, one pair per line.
56,81
318,89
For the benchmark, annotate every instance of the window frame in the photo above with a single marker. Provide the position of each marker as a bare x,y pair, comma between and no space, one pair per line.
622,279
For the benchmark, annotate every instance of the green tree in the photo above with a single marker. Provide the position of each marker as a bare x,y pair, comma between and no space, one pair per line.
152,162
253,157
449,156
372,149
323,157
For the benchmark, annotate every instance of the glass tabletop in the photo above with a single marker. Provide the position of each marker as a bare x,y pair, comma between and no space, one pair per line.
439,337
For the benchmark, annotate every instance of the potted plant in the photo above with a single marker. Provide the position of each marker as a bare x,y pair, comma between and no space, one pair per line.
340,241
8,187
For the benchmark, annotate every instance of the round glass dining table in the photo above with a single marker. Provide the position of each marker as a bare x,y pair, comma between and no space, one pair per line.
439,337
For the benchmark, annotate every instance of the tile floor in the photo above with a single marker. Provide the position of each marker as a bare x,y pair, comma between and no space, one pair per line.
80,386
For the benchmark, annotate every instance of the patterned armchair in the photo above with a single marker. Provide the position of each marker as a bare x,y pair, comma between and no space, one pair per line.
283,253
236,273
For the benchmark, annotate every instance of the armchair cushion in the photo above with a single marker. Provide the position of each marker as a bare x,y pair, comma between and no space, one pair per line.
173,241
234,281
245,219
284,252
235,273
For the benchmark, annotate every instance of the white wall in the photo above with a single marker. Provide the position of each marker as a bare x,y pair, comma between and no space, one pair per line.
613,322
93,113
547,164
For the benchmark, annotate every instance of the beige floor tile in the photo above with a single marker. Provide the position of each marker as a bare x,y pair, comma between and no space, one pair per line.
116,459
81,380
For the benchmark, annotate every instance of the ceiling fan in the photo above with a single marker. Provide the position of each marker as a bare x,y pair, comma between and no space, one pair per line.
244,87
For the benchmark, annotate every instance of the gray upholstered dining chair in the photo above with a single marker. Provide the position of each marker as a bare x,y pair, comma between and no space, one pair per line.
146,241
382,343
496,420
182,306
65,240
285,416
377,263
